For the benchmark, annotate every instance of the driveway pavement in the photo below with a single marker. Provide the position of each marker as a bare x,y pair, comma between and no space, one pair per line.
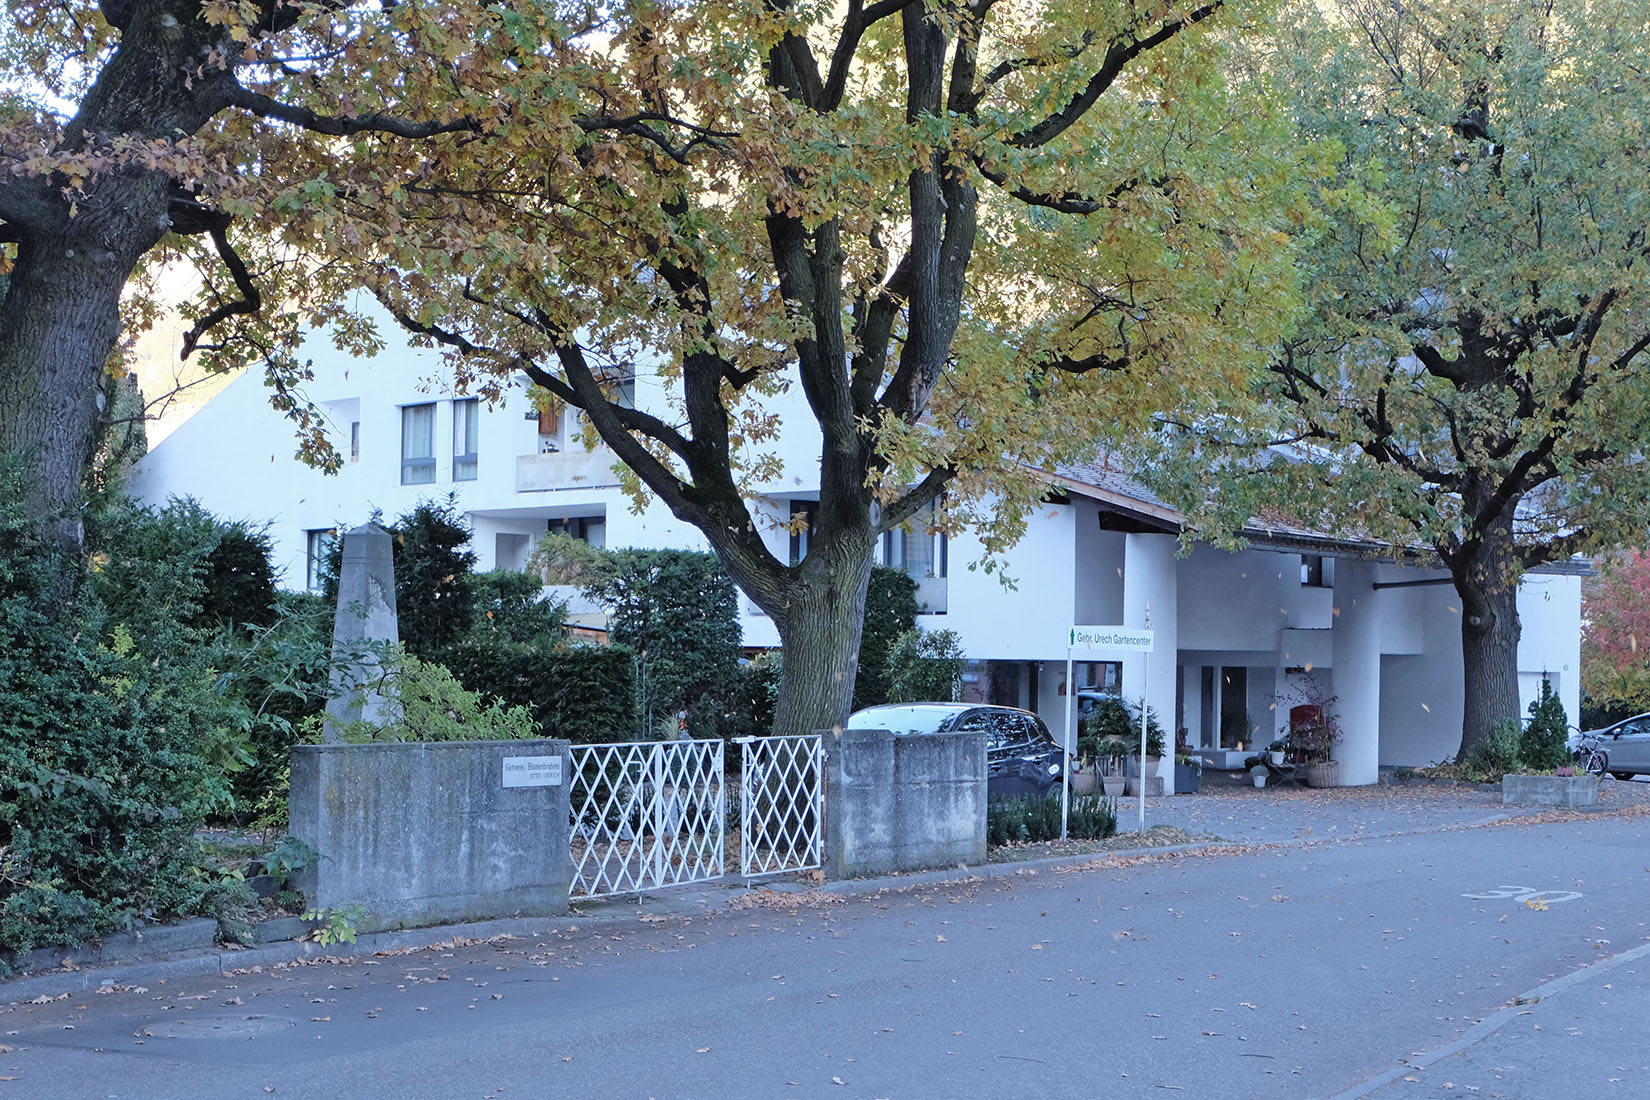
1229,807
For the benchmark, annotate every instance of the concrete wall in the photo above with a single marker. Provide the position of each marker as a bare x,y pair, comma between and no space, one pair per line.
903,803
421,834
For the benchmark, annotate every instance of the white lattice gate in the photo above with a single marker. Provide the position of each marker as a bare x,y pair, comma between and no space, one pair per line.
781,804
645,815
648,814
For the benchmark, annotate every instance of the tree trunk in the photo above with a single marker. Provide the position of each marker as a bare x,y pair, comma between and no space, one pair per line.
59,322
1487,581
819,628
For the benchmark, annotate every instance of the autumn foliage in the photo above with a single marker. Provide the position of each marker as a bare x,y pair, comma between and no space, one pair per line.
1615,640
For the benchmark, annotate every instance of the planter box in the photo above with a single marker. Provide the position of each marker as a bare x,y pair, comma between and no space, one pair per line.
1326,774
1084,782
1154,785
1549,790
1185,779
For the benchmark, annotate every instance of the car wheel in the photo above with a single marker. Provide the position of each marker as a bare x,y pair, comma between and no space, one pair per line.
1621,775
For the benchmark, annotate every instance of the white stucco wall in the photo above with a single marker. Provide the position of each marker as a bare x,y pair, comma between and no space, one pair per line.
1029,621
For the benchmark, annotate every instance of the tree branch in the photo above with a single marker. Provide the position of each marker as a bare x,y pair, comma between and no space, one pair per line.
1066,202
230,94
250,301
26,204
860,19
916,498
1118,55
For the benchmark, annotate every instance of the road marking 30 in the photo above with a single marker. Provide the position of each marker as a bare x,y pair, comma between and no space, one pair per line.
1525,894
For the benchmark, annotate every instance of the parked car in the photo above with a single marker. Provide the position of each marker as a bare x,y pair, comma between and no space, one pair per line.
1022,757
1089,699
1623,749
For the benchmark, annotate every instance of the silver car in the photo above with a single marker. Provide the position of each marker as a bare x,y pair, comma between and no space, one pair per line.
1623,749
1022,757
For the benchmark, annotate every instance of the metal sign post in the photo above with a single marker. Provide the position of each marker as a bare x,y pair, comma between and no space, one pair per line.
1115,641
1146,682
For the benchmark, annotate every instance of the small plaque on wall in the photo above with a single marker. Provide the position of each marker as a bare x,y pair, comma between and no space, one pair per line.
532,771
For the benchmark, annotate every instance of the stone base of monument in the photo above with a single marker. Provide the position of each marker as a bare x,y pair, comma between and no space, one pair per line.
419,834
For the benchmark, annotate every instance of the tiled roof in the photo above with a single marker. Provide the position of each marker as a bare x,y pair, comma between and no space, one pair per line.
1105,481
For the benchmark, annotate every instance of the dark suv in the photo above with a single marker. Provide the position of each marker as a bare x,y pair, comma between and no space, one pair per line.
1022,757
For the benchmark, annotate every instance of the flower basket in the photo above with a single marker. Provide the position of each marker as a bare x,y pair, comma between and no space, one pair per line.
1324,773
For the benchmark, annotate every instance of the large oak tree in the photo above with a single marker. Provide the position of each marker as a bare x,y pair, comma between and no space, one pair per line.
1472,376
975,235
141,131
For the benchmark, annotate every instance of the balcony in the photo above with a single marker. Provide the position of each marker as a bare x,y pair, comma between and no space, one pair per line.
571,469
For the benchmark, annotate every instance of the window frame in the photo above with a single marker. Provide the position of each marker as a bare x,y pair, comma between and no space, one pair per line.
416,464
466,423
318,544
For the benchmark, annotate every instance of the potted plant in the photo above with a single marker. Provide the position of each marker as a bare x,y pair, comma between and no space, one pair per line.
1086,776
1314,731
1115,720
1188,769
1111,753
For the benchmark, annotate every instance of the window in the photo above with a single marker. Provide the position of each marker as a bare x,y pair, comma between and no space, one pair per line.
317,557
590,529
1312,570
466,419
917,548
355,441
803,514
417,444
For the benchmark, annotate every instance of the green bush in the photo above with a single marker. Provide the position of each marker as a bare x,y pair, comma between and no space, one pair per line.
742,706
271,679
678,612
1026,820
1495,755
890,611
429,704
583,693
435,598
1115,720
112,752
1543,744
238,581
925,667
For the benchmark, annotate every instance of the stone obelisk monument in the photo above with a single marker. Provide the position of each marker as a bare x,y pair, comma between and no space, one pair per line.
366,615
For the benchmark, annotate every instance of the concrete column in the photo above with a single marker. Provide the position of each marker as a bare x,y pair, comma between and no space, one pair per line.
1151,579
1357,684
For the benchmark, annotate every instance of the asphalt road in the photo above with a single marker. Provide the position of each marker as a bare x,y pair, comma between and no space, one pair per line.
1350,968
